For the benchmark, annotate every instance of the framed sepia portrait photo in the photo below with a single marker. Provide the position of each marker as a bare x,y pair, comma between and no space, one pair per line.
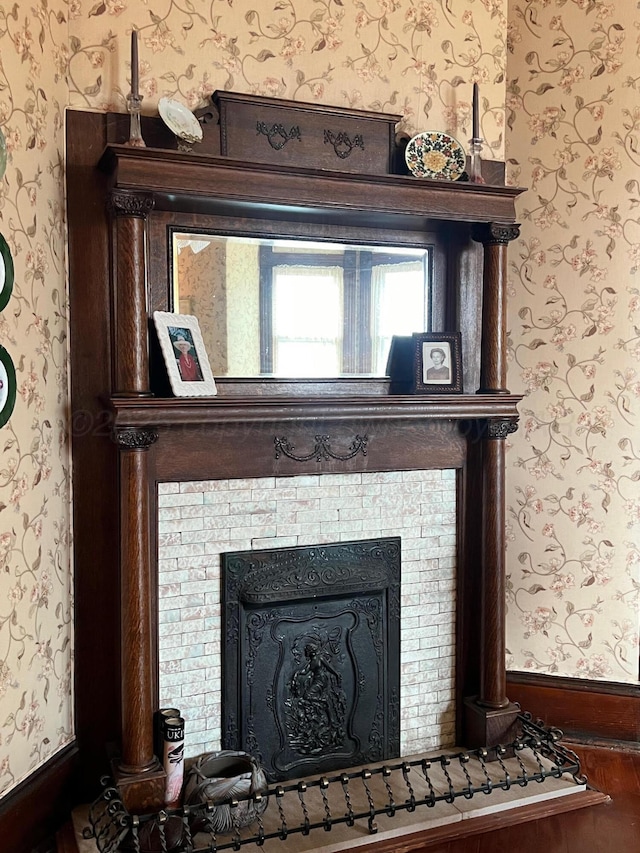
437,363
184,355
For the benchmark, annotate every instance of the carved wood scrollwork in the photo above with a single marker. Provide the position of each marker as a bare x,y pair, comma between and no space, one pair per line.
500,428
276,134
342,144
321,450
495,232
134,438
122,203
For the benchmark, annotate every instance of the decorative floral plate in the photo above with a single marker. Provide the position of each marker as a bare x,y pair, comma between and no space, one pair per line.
433,154
180,120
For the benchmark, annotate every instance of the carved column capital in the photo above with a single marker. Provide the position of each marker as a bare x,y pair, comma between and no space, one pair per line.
495,232
500,428
135,438
124,203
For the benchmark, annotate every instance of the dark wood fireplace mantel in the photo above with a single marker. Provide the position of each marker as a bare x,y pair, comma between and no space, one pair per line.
122,202
165,412
179,181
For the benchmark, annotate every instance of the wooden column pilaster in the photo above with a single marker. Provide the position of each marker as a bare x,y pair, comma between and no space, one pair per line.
493,366
138,773
130,313
490,717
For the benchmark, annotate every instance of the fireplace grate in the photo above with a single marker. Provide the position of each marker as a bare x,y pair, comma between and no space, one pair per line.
311,663
349,797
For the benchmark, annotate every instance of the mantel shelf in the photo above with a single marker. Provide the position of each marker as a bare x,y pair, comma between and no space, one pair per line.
211,182
172,412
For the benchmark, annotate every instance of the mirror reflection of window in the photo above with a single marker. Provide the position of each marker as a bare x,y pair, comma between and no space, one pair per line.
400,303
295,308
307,331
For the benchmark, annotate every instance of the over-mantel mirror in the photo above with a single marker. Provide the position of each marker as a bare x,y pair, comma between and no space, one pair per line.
300,308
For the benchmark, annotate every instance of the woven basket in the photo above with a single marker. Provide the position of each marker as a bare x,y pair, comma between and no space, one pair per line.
217,777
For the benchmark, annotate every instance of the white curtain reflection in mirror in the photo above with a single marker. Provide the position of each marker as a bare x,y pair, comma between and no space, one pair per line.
307,330
399,300
300,309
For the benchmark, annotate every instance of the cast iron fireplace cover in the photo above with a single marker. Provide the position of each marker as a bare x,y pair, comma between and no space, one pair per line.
311,655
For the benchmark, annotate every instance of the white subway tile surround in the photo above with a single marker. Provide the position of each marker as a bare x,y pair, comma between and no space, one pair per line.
198,521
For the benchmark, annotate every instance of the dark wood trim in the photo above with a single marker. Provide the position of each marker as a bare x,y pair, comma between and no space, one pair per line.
584,710
210,410
184,452
218,183
95,470
421,840
66,839
34,811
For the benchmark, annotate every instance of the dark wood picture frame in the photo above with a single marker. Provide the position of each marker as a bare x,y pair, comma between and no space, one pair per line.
442,374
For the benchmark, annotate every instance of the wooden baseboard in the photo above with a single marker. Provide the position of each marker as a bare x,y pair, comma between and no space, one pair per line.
584,710
66,839
478,825
32,813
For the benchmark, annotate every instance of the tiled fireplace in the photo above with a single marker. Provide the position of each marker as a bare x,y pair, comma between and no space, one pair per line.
199,521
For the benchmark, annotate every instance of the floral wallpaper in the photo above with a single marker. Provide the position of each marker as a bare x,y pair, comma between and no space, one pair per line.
416,58
567,72
574,468
36,601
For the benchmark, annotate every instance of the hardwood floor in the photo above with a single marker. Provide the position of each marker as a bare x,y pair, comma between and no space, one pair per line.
613,827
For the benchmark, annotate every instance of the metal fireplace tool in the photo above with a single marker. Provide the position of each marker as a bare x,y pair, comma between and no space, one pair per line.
341,798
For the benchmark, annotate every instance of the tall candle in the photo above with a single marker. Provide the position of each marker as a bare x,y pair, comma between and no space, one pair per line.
134,63
476,113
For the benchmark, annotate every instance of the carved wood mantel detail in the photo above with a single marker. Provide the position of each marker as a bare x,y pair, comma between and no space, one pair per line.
501,429
322,449
135,439
495,233
342,143
276,134
123,203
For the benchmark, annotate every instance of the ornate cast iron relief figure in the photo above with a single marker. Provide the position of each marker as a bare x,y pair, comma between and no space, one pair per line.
316,707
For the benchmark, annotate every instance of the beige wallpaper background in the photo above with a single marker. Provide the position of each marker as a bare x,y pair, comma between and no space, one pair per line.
36,597
567,72
574,468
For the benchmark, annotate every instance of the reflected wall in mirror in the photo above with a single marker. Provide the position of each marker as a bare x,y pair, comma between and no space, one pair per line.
293,308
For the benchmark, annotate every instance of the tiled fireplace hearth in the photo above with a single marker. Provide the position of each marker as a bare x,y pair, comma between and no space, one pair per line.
199,521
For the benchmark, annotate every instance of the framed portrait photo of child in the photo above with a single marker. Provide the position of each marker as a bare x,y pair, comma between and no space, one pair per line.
184,355
437,363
